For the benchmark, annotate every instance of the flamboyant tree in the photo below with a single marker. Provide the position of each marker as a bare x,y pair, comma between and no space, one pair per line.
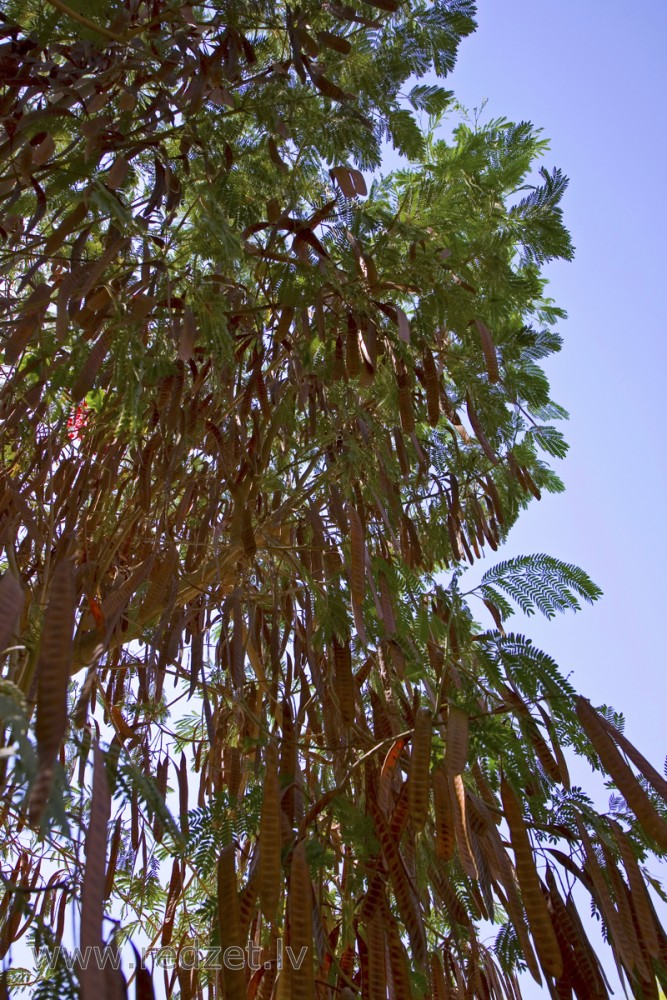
258,411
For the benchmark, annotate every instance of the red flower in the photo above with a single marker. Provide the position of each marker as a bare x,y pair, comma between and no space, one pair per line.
77,421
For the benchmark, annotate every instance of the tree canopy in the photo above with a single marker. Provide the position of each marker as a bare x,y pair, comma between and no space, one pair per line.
261,405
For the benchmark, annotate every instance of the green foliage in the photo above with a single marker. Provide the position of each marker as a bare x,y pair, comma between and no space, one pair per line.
219,823
539,582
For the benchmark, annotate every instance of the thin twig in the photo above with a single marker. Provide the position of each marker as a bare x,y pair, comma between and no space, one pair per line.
86,22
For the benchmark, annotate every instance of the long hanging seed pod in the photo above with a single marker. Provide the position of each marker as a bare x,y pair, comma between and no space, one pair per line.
397,961
248,540
352,357
92,365
622,948
113,858
289,761
11,605
388,617
161,579
640,959
653,777
440,989
377,962
432,385
247,901
458,800
494,496
344,683
53,672
405,897
533,900
476,425
357,569
623,777
401,452
513,907
500,866
542,750
92,892
269,837
173,894
639,893
229,922
419,768
301,925
583,956
445,839
489,351
456,748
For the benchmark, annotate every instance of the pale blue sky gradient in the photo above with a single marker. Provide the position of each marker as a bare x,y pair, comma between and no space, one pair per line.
593,75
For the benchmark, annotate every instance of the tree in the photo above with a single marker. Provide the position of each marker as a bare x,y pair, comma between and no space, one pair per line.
257,417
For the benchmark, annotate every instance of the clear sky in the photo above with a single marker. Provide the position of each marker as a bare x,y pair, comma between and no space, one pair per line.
593,75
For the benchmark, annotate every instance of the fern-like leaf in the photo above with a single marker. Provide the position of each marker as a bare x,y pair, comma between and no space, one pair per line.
540,582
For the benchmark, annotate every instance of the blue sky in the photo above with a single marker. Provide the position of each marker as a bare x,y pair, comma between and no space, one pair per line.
593,75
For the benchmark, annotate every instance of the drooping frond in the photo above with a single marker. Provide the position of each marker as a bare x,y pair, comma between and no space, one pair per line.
540,583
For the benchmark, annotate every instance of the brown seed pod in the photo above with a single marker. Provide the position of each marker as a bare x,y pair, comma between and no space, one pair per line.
627,784
639,895
248,532
344,682
653,777
439,986
582,955
457,797
533,899
377,962
557,749
247,901
432,384
53,672
445,840
11,605
92,891
622,947
397,960
405,898
229,922
489,351
456,749
479,431
113,857
542,752
161,579
269,837
173,894
513,905
405,403
92,365
301,924
420,761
